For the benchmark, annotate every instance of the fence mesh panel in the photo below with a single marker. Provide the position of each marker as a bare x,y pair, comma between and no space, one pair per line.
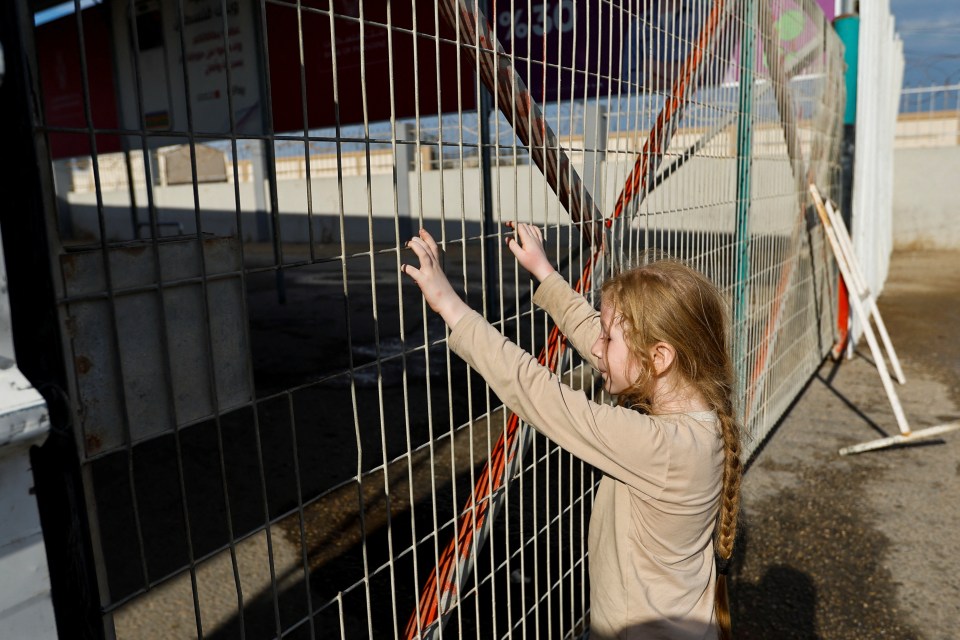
275,439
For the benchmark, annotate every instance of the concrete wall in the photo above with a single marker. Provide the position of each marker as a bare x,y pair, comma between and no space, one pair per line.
701,196
926,198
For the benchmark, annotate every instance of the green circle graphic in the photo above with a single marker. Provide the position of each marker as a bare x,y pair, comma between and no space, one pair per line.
790,24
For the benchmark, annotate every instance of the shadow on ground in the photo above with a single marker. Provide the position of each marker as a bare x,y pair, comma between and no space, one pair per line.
810,563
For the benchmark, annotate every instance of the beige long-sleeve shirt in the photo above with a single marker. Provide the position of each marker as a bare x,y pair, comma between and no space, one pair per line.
651,561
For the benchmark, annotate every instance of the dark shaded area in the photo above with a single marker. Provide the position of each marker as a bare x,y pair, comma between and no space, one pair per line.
242,472
782,592
340,404
495,576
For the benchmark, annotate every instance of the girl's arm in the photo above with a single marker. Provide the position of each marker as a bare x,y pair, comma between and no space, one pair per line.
433,281
576,318
620,442
527,247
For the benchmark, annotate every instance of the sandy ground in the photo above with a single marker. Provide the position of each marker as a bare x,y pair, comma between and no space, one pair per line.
863,546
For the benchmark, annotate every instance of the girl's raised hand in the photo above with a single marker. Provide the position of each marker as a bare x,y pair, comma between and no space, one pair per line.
529,250
432,281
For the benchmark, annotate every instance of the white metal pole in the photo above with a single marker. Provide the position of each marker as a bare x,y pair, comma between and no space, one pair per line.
846,245
857,304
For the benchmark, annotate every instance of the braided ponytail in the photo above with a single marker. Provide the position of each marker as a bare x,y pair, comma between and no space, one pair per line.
726,529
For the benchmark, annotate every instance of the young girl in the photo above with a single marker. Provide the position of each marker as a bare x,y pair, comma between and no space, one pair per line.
665,514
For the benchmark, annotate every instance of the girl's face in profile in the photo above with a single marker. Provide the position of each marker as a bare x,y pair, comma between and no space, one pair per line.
614,358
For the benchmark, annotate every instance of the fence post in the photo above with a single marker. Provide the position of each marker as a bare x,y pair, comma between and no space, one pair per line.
404,164
594,148
744,158
63,182
490,305
257,162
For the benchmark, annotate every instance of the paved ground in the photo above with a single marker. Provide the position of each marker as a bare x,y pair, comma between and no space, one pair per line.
863,546
833,547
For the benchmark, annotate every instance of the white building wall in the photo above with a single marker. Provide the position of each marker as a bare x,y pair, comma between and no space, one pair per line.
925,196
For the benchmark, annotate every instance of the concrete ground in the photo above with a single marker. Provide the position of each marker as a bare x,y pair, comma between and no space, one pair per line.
863,546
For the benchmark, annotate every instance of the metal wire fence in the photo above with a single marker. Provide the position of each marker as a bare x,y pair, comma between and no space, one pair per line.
275,439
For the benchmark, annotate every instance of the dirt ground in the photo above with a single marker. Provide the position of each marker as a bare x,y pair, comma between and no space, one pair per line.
863,546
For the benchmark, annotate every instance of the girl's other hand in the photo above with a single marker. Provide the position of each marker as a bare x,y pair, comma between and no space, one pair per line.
432,281
529,250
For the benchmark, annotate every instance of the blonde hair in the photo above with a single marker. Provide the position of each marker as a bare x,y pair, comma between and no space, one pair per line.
667,301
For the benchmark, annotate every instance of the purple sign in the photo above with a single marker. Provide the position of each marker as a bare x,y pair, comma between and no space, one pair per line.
562,49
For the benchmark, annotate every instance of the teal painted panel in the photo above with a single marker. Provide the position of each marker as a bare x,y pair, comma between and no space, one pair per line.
848,28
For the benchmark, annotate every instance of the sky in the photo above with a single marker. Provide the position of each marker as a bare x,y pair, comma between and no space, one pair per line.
930,30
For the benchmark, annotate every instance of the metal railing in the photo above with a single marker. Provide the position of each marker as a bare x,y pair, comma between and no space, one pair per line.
928,117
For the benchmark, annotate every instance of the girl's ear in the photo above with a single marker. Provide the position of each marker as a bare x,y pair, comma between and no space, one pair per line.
662,356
